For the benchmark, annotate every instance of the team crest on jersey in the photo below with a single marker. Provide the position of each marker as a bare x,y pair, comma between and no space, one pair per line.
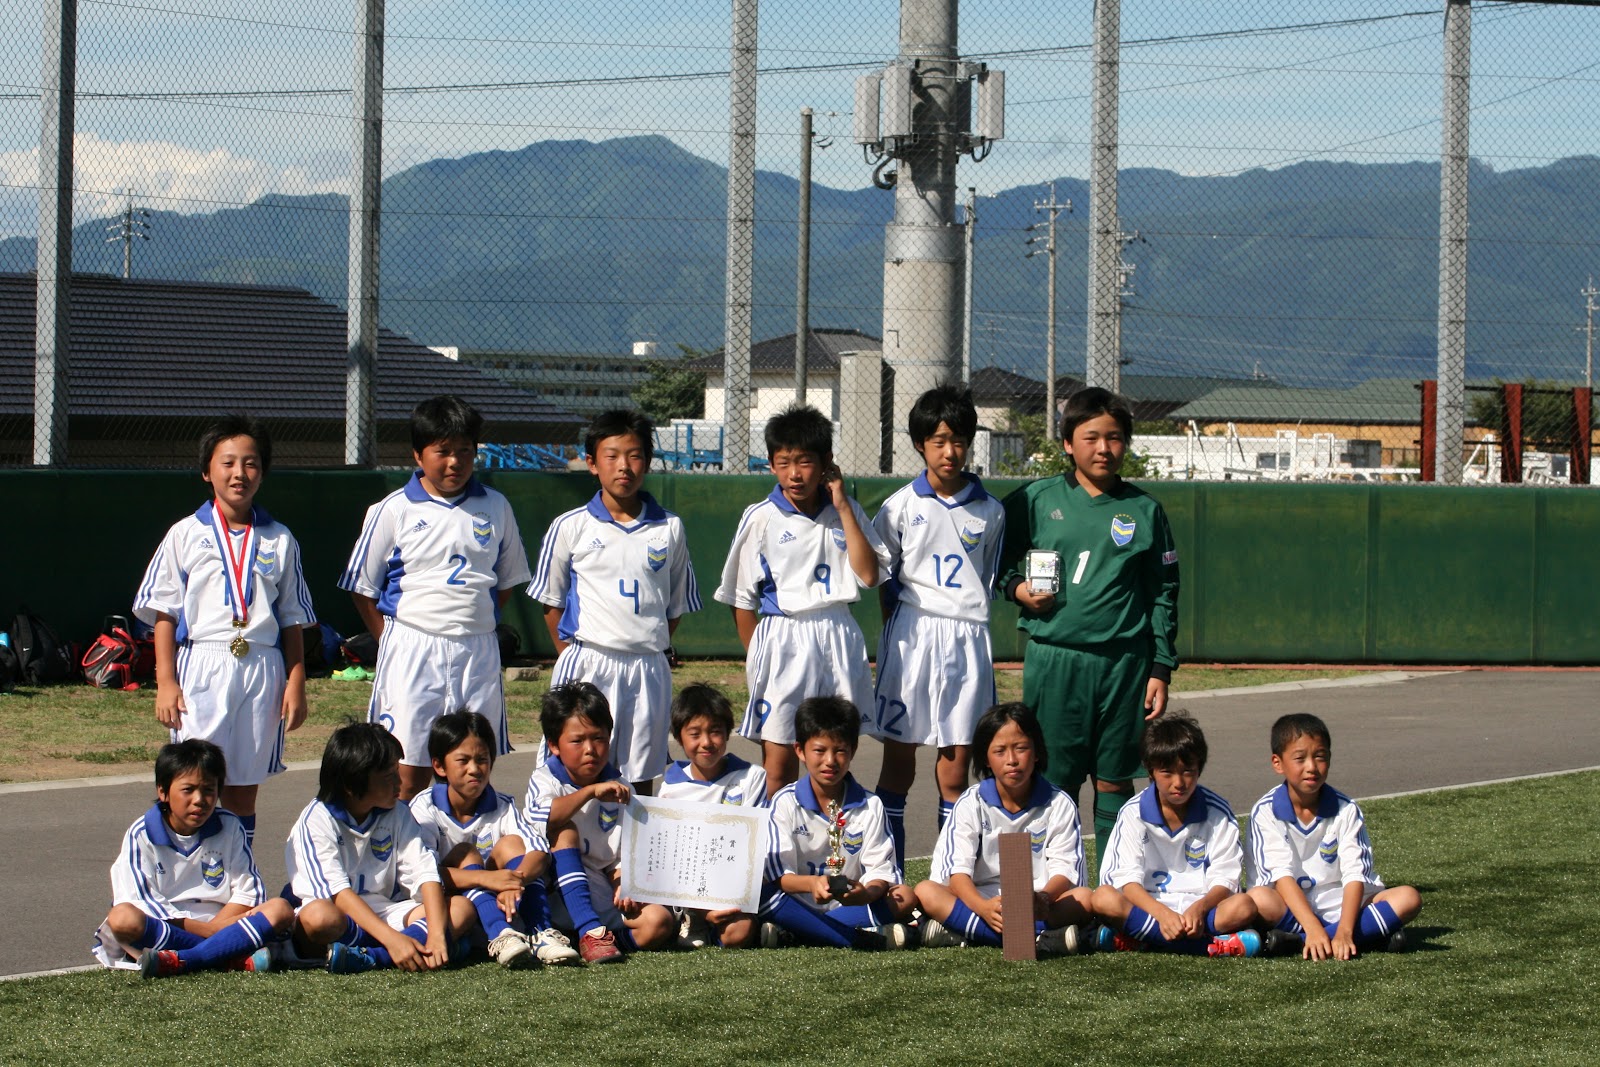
266,558
1194,853
1122,527
734,797
838,539
485,840
972,535
1036,840
1328,851
656,555
211,868
383,847
482,528
608,819
852,842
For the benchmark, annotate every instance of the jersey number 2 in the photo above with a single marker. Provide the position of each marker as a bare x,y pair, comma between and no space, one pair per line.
455,576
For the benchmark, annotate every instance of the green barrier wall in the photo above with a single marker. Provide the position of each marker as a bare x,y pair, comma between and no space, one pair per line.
1271,573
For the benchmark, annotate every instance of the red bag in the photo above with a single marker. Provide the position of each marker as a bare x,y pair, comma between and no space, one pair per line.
117,659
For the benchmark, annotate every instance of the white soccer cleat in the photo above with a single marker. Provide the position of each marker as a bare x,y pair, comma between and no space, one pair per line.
1060,941
895,936
551,946
509,947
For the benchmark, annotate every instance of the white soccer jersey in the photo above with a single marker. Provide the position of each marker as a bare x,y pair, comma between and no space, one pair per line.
617,585
784,562
438,565
969,844
168,876
599,825
798,837
189,579
383,856
496,817
741,783
945,552
1176,867
1321,856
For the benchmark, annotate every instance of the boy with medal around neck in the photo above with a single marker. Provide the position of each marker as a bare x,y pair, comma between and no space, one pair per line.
226,598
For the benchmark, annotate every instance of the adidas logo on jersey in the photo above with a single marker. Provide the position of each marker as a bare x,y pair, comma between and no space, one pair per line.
596,545
422,524
1056,514
786,538
920,520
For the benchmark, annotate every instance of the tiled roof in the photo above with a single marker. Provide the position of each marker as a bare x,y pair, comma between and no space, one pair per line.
163,348
823,347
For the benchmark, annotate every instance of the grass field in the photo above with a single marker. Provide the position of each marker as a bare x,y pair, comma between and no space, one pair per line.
1502,973
76,731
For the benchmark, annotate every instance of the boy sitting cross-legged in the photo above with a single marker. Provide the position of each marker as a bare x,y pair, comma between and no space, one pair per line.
485,852
1170,875
827,814
575,799
1313,861
187,895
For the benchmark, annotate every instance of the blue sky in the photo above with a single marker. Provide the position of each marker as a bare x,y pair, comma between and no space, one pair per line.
1262,94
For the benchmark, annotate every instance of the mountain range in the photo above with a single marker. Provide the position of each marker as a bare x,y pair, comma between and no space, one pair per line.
1315,273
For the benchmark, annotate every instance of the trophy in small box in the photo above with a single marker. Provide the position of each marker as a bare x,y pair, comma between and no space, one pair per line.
1043,571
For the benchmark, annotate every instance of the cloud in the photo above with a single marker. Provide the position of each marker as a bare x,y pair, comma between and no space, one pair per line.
165,177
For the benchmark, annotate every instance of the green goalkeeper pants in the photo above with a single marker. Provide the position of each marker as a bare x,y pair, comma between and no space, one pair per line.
1090,705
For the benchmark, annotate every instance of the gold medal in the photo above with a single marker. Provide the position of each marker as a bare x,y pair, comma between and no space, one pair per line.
239,646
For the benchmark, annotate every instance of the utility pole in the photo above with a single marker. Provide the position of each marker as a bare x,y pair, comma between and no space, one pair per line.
366,218
1054,208
1103,364
1589,308
132,224
52,309
802,282
966,325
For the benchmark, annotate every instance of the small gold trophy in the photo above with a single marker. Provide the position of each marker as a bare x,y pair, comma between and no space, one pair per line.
838,884
239,646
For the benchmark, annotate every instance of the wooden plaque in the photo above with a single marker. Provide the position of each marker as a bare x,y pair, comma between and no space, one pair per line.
1016,894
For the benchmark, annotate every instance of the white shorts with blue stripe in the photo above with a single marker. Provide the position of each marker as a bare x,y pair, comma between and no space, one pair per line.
639,689
935,679
793,657
421,676
236,703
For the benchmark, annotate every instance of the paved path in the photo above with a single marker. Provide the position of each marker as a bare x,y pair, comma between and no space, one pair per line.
1417,733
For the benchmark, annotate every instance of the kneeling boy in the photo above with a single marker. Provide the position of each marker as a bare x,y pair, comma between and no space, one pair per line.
1170,875
1313,862
826,814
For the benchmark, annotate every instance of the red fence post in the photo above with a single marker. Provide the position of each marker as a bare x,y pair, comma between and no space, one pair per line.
1430,426
1511,432
1582,423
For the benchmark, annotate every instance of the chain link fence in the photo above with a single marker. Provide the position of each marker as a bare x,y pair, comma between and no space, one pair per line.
556,239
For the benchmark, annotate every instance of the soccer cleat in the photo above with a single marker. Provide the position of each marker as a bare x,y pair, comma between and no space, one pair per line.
1277,942
775,936
159,963
1061,941
936,934
890,937
1397,941
599,946
551,946
694,931
259,961
1243,943
509,948
1107,940
349,959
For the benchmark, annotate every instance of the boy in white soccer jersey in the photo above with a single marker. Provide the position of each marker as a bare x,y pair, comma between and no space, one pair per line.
485,851
798,561
856,901
702,720
227,600
366,884
1316,885
961,899
185,892
575,799
615,577
1170,874
935,668
435,562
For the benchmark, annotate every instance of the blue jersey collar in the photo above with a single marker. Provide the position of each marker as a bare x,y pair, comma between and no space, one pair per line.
854,795
488,802
1150,808
652,511
1038,796
418,495
680,772
553,763
970,493
340,814
1283,807
782,503
155,825
258,514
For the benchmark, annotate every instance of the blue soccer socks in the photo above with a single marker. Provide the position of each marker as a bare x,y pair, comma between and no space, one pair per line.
573,882
894,806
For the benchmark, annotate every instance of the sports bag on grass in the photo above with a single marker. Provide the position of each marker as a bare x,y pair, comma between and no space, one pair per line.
42,657
115,659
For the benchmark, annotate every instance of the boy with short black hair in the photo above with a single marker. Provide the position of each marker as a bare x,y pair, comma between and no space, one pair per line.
615,577
226,598
575,799
185,892
1316,885
831,874
702,721
1171,872
435,562
797,563
935,667
1102,648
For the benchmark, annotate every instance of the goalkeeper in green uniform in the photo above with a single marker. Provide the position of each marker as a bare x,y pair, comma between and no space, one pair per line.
1090,561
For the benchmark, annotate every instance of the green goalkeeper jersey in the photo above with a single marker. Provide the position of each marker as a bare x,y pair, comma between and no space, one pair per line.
1118,567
